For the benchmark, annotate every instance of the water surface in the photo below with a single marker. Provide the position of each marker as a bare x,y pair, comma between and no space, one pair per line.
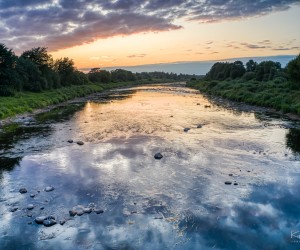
178,202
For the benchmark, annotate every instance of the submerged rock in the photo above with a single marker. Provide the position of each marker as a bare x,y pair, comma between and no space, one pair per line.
158,156
40,219
23,190
70,141
49,221
228,182
32,195
49,189
80,143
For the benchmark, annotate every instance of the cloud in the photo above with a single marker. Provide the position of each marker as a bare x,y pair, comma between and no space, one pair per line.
135,56
59,24
254,46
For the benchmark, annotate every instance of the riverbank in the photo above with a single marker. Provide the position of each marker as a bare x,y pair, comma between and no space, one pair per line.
271,94
25,102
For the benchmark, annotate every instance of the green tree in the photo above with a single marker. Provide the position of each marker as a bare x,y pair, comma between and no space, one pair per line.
251,66
293,69
9,79
65,68
237,69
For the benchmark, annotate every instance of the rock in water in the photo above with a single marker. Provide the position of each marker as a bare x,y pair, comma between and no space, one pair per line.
98,211
228,182
23,190
70,141
80,143
158,156
30,207
49,189
32,195
49,221
13,209
186,129
72,213
87,210
40,219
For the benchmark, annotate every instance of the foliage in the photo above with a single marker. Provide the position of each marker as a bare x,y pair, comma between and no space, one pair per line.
293,70
9,81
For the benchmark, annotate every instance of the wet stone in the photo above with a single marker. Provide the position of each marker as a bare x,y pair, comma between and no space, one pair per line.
98,211
199,126
13,209
186,129
40,219
23,190
235,184
80,212
42,208
62,222
228,182
80,143
72,213
32,195
87,210
49,221
70,141
158,156
49,189
30,207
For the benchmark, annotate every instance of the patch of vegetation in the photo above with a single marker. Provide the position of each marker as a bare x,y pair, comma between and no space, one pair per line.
264,84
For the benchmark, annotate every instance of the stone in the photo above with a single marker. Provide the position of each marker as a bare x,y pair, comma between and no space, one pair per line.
228,182
30,207
62,222
70,141
40,219
158,156
13,209
23,190
98,211
80,143
87,210
198,104
32,195
49,221
199,126
186,129
230,174
72,213
49,189
207,106
235,184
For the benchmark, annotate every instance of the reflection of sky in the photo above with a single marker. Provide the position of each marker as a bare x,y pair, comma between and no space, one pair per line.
185,189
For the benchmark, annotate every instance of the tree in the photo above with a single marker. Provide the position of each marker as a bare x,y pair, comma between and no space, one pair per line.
9,79
251,66
237,69
293,69
98,75
39,56
65,68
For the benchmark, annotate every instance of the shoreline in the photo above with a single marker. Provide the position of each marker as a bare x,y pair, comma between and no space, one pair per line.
214,93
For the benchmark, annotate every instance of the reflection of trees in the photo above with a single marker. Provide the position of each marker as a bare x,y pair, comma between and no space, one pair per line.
8,164
293,139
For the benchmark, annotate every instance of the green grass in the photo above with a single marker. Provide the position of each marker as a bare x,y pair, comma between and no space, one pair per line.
275,94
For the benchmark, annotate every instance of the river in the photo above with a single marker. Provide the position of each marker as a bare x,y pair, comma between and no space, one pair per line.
178,202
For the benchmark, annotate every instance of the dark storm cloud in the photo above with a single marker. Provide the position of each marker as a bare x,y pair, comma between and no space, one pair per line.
59,24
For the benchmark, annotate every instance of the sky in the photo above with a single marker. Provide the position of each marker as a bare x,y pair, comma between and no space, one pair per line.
117,33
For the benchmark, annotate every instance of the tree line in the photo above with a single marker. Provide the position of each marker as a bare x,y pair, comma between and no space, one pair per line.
264,71
35,70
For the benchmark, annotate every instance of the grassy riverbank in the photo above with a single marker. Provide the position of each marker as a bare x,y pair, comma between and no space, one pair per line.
276,94
28,101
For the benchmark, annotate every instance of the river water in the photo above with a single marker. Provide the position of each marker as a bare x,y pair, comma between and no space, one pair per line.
178,202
